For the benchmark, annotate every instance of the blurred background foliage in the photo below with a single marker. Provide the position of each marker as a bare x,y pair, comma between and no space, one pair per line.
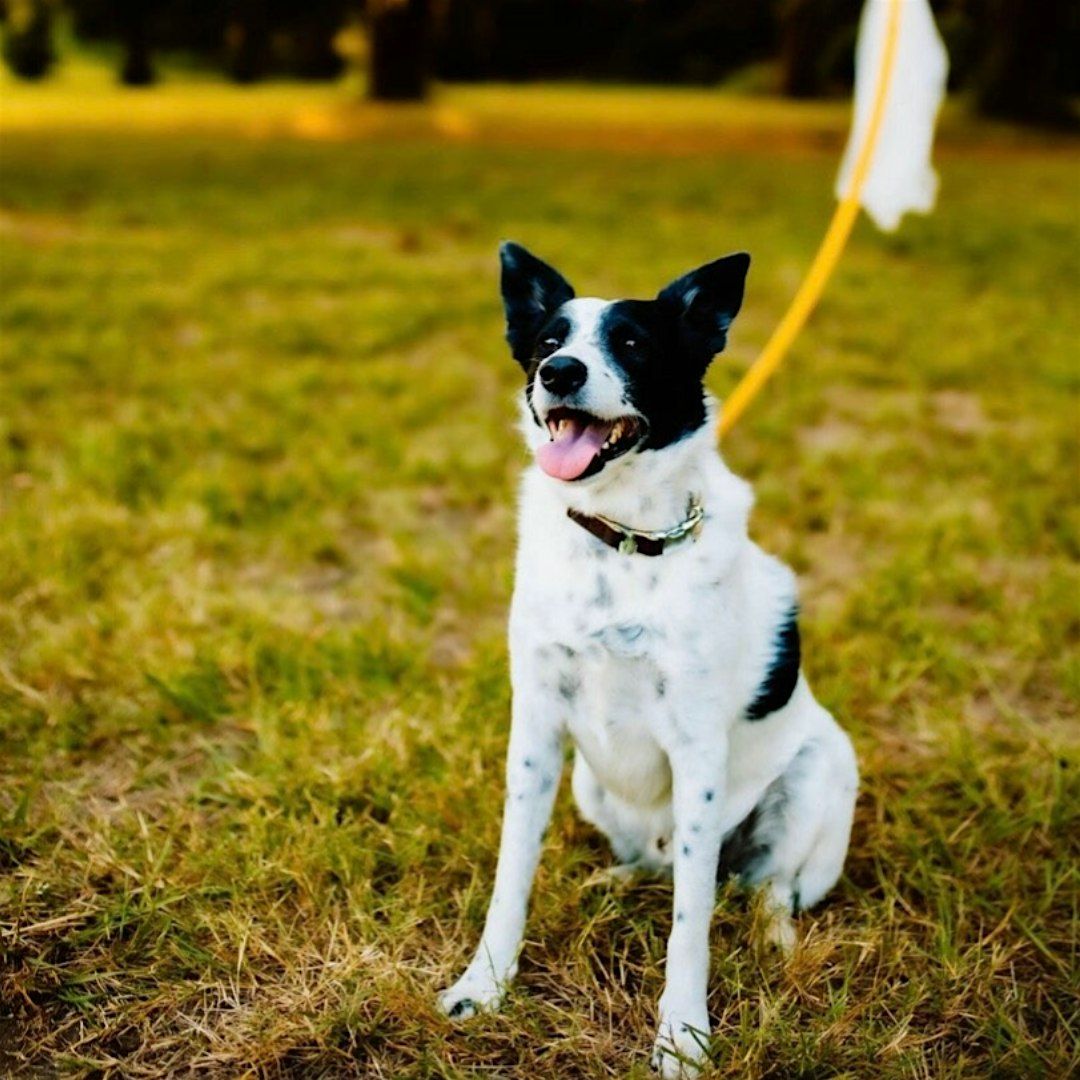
1019,60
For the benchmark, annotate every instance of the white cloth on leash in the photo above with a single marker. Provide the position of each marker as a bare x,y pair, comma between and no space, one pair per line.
901,177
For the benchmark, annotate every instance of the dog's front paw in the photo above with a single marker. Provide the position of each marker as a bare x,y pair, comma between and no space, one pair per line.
470,995
682,1044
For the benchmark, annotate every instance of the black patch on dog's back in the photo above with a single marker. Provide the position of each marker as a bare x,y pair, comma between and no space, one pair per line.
783,673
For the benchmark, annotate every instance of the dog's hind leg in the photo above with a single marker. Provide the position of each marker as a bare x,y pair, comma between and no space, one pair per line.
793,843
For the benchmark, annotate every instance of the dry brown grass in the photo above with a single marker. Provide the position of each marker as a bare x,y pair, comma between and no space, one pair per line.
256,471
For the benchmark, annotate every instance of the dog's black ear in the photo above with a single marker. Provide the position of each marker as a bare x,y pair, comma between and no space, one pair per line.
706,300
531,292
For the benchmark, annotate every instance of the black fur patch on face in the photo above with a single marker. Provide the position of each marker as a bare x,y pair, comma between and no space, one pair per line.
550,337
664,346
783,673
663,381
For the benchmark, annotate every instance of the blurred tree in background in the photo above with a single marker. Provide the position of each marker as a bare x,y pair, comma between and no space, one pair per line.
400,49
1018,59
133,19
817,45
667,41
28,47
1031,65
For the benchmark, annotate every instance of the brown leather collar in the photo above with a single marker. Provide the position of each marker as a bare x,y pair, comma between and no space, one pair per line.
635,542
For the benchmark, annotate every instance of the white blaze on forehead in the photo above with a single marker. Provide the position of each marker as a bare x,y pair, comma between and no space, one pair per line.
584,315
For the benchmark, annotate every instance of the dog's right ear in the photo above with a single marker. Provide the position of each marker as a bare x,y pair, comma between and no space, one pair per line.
531,291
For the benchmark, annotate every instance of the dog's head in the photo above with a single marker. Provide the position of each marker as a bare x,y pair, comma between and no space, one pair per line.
606,379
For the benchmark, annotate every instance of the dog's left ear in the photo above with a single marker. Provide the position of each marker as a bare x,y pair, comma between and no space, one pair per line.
532,292
706,300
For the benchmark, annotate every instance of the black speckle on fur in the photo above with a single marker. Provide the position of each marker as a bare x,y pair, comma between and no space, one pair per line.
709,795
783,672
661,686
462,1006
603,598
686,849
568,688
528,763
679,916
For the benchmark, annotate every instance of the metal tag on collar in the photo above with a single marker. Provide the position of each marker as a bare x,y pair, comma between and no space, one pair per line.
628,545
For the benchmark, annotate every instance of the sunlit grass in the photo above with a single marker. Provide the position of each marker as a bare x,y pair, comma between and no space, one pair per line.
257,462
83,95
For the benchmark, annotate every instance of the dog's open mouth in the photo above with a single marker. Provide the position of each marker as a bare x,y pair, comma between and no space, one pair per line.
582,444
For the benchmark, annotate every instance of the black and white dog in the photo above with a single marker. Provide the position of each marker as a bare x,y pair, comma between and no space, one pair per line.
648,627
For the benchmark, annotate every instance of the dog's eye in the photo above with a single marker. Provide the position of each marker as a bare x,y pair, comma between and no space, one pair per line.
547,346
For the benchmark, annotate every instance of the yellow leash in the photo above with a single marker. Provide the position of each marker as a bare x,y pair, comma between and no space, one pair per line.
828,254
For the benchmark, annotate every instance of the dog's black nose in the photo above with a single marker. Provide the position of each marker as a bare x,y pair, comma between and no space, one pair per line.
562,375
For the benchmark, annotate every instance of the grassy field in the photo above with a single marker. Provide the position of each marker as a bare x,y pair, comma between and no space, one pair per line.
257,467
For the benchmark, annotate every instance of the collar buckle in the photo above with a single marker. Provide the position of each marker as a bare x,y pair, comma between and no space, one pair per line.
629,541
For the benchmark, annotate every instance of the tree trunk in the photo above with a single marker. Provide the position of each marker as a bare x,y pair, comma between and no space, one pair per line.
800,50
247,42
1025,75
814,36
28,45
400,49
134,19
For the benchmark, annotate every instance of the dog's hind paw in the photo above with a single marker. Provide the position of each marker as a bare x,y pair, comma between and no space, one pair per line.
616,877
780,932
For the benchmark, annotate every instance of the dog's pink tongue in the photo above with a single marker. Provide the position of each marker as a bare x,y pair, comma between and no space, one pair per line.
572,450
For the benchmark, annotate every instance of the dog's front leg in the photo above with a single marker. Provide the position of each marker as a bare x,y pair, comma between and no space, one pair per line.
533,766
698,782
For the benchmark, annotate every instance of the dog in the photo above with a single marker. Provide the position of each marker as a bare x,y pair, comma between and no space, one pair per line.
650,630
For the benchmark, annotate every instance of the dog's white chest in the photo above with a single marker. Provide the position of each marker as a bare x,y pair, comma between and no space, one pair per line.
619,711
606,640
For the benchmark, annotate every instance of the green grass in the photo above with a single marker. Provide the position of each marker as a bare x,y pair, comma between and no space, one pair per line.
257,466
